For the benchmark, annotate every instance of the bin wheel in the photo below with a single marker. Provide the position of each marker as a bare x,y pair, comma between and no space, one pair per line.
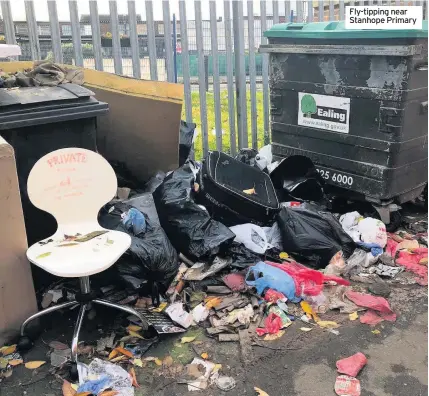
74,374
24,344
395,221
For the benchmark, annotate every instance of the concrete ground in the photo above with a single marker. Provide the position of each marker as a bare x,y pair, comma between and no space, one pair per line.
397,357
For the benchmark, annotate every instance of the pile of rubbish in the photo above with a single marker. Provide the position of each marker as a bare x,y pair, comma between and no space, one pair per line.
43,73
244,248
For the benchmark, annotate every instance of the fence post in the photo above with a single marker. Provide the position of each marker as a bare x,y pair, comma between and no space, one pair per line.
206,72
240,73
55,31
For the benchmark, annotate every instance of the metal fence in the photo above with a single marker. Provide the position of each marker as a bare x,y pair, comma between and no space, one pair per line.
216,58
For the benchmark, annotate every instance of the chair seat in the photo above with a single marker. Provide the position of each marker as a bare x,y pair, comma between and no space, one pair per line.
76,255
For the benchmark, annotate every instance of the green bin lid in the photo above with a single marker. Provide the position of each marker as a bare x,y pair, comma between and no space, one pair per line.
337,30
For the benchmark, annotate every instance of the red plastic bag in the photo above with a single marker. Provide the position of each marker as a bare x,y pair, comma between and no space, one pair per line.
308,282
352,365
273,324
272,295
410,260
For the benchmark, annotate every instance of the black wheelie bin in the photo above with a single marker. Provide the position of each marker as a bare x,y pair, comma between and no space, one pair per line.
38,120
355,102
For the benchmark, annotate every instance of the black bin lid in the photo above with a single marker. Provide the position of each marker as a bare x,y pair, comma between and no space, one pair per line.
27,106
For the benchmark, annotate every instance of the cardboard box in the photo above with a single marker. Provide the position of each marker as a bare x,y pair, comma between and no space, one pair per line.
17,296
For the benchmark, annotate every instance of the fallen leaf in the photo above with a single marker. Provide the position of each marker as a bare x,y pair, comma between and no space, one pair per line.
138,362
168,361
213,302
8,350
58,345
197,342
161,307
43,255
134,334
272,337
260,392
376,331
35,364
205,355
133,328
353,315
124,352
186,340
3,363
150,359
133,377
250,191
283,256
119,359
113,354
67,389
15,362
158,362
326,324
306,329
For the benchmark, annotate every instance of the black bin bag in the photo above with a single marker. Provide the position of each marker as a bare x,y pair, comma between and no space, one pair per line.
190,228
186,139
150,257
312,235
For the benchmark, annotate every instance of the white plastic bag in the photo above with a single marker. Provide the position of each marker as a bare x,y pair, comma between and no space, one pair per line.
373,231
274,236
349,222
251,236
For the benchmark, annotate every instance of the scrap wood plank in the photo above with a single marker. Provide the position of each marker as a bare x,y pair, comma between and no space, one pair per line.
246,347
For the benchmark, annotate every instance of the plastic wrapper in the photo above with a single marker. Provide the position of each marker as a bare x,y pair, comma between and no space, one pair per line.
312,235
191,229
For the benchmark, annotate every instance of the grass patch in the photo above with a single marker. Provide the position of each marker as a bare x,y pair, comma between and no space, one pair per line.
226,143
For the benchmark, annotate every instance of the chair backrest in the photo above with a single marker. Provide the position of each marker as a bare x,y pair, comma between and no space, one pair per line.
72,184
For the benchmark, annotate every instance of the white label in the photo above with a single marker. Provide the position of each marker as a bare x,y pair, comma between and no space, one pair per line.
324,112
384,17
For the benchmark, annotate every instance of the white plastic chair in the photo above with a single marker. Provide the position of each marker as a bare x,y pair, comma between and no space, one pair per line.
73,184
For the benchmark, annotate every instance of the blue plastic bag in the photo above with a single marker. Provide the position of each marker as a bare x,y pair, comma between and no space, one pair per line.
264,276
134,221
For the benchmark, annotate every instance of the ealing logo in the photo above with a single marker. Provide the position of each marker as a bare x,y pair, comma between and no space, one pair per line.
310,109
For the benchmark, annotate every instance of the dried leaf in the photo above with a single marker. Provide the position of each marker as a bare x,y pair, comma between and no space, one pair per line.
260,392
15,362
7,350
138,363
58,345
186,340
205,355
67,389
353,315
283,256
161,307
133,328
250,191
35,364
376,331
306,329
43,255
119,359
134,334
272,337
133,376
168,361
158,362
3,363
213,302
326,324
125,352
113,354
